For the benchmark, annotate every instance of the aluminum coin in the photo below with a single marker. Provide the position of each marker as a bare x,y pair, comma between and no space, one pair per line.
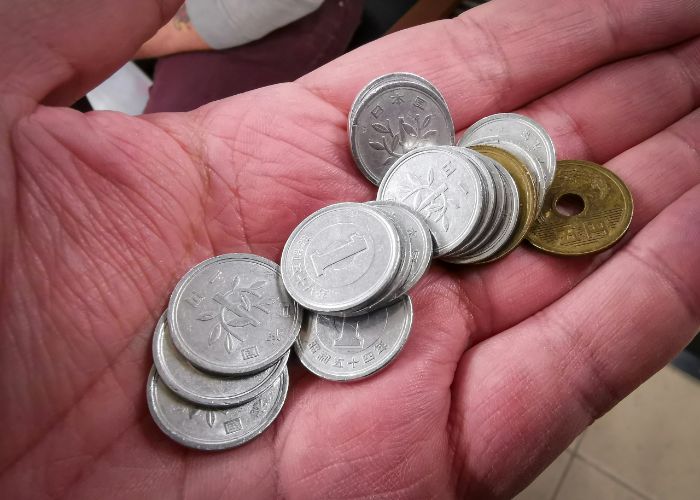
443,187
524,131
340,257
201,387
352,348
396,119
232,315
205,428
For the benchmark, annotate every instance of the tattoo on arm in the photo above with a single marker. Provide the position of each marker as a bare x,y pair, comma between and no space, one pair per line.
181,20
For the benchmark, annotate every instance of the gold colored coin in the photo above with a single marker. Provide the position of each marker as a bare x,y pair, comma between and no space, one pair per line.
526,189
604,218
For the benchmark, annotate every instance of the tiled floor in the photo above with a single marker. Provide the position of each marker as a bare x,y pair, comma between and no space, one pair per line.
647,447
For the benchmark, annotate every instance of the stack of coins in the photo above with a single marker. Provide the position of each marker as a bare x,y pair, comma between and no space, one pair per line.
393,115
220,353
352,265
525,139
221,349
469,201
479,203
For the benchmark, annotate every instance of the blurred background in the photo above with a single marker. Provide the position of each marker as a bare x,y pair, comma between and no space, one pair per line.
647,447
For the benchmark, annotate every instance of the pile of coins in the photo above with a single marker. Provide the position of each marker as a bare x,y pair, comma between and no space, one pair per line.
470,202
220,353
221,349
351,265
500,185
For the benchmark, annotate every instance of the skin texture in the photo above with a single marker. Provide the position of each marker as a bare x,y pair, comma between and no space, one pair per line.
507,363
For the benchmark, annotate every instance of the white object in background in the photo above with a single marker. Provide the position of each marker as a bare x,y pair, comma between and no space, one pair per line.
126,91
230,23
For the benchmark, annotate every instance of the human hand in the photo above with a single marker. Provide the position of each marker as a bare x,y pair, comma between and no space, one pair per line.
506,364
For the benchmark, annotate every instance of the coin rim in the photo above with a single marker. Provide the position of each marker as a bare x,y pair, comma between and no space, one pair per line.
195,358
392,267
626,195
163,369
198,444
526,186
505,232
401,342
419,271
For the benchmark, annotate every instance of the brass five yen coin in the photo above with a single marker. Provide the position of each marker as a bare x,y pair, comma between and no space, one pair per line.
604,211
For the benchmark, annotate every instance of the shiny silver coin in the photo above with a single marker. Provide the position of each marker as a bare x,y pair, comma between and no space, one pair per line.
352,348
489,214
506,226
444,188
524,131
532,165
201,387
416,242
393,119
490,226
205,428
405,262
232,315
420,239
378,82
340,257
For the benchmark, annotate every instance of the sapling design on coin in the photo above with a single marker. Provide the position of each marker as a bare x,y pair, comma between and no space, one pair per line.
220,351
428,199
406,138
235,315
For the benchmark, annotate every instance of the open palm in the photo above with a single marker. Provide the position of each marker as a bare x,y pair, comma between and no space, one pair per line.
506,364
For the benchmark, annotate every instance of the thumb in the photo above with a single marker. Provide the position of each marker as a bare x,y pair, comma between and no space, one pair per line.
54,52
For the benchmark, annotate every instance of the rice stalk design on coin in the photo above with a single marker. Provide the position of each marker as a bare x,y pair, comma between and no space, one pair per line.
406,138
238,312
427,198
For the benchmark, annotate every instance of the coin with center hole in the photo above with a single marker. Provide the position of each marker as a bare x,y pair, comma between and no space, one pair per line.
604,219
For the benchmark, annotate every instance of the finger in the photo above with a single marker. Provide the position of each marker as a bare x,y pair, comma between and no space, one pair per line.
56,51
618,106
504,54
596,117
551,376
